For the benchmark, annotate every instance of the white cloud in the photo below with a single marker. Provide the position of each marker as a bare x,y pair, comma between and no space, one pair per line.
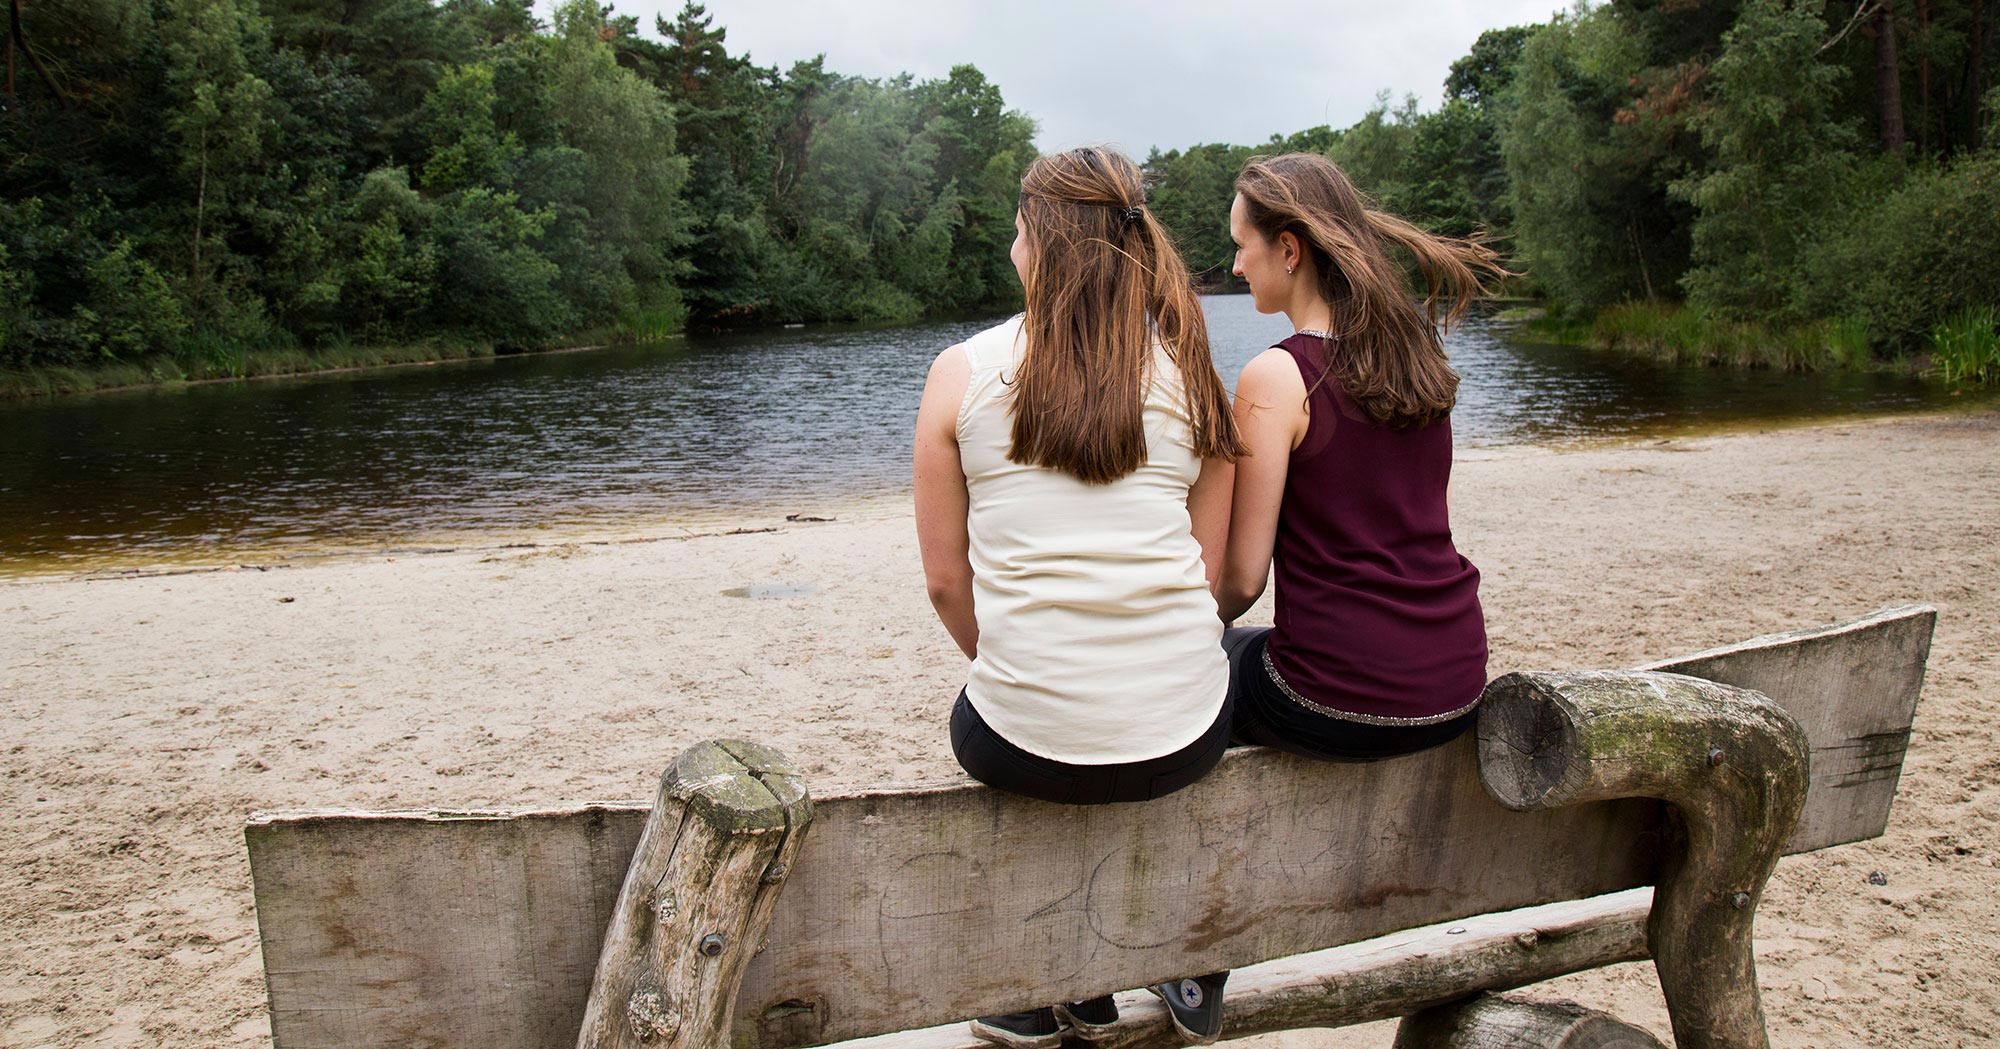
1168,73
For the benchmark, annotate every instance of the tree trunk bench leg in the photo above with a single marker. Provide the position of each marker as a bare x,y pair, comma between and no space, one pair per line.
727,826
1733,766
1494,1021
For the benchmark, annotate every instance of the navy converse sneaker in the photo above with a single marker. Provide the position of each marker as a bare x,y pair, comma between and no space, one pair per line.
1033,1029
1090,1020
1196,1006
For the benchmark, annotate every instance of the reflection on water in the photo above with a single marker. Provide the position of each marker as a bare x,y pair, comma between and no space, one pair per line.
689,432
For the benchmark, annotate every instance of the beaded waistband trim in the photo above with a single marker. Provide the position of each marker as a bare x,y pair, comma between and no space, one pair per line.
1348,715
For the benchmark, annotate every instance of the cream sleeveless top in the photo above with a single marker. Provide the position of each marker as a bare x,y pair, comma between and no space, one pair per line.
1098,639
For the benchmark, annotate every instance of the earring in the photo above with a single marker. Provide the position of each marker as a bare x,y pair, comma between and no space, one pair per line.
1288,271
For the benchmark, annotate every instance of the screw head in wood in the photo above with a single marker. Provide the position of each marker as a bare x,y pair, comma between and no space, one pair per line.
711,945
775,874
1715,757
1740,900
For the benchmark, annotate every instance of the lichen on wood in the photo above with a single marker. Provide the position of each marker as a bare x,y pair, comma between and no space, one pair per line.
1733,765
729,822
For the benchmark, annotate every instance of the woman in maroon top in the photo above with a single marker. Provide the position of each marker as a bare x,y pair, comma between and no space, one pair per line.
1380,646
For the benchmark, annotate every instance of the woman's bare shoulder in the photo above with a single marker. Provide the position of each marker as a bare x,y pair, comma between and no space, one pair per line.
1274,371
950,370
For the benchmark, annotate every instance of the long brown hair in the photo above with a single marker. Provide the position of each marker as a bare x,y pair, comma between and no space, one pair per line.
1391,356
1104,283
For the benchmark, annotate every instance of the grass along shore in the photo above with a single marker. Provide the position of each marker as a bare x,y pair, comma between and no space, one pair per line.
1963,350
163,370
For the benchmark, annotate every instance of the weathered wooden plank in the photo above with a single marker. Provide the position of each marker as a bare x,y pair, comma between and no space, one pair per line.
922,907
911,907
1853,688
403,930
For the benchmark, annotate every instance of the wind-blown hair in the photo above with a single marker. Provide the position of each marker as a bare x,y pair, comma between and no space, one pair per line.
1390,357
1104,284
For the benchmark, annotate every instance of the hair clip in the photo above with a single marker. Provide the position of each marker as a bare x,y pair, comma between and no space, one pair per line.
1131,214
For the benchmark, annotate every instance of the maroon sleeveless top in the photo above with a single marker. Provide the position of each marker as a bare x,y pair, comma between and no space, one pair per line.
1378,616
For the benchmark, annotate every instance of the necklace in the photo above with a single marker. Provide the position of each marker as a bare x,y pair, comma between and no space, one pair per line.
1317,333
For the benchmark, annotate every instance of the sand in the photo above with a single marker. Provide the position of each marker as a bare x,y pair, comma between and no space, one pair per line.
143,718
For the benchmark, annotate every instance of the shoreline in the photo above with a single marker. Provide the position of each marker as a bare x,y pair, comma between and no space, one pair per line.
18,385
1773,349
712,521
148,718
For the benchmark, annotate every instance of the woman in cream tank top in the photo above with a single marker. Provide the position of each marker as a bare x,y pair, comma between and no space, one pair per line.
1072,496
1097,635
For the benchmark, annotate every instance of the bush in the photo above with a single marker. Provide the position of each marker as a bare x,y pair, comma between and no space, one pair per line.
879,302
130,311
491,281
14,297
1920,254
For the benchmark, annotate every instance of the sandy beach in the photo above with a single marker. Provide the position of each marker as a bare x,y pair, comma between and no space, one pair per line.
144,717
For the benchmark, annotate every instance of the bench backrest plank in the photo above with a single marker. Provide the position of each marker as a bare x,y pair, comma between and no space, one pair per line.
1861,682
918,906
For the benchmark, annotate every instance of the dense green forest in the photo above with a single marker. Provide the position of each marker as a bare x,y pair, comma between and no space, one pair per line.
199,185
196,180
1783,181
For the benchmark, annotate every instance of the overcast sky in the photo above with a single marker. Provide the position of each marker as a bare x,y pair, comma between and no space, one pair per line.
1167,73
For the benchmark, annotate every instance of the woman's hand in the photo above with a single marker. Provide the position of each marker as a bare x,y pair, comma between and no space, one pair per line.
1271,414
942,501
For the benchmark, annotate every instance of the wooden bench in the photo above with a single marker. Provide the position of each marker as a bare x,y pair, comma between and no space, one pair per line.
1341,894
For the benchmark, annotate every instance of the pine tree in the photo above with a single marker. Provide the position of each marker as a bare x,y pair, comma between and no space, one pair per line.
1779,152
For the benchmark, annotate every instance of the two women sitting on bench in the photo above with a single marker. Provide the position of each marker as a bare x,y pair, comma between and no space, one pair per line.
1091,511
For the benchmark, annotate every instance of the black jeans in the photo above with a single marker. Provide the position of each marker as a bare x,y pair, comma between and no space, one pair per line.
999,764
1266,717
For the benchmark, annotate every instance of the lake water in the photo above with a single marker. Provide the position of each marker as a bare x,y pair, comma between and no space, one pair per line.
679,434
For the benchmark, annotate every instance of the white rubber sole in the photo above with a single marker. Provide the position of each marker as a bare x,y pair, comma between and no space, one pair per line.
998,1036
1084,1029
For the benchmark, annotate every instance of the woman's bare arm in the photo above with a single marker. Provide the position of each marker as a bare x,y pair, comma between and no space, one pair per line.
1208,513
941,500
1270,412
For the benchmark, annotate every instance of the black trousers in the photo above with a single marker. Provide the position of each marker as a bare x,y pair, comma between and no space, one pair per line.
1255,713
999,764
1266,717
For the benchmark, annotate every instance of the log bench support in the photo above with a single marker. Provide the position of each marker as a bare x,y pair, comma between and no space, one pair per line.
727,826
1493,1021
1733,766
